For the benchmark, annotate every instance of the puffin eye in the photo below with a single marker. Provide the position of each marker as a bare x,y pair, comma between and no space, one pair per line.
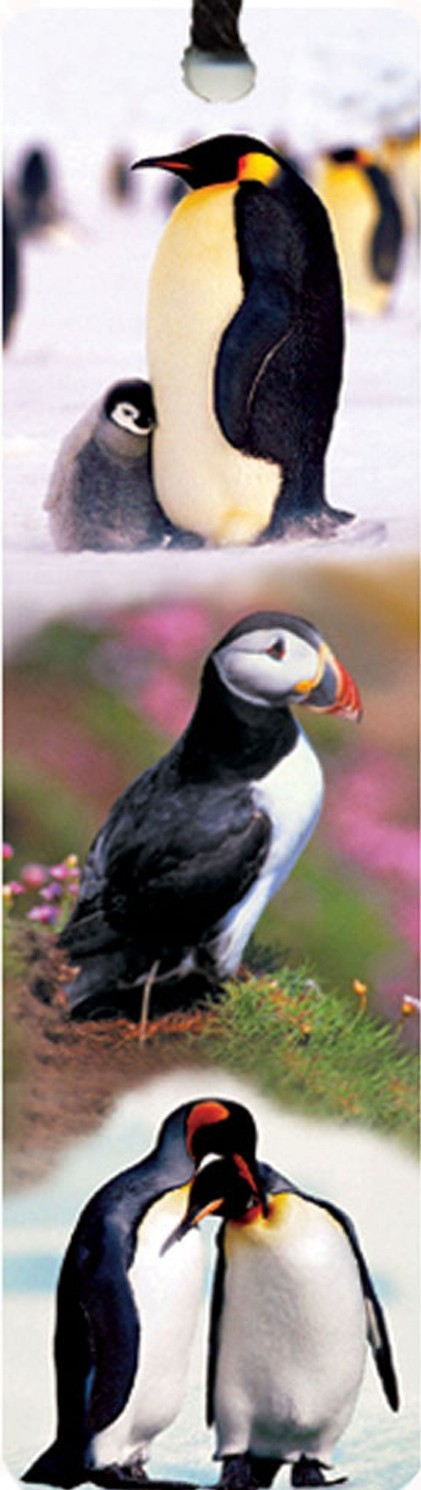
277,650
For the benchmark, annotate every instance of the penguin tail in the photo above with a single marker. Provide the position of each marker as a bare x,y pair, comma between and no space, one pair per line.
51,1469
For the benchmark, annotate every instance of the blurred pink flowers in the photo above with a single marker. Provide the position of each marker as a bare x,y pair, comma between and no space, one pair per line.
56,886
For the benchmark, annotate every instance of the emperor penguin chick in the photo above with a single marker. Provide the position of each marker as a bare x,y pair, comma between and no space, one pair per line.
245,344
293,1309
101,493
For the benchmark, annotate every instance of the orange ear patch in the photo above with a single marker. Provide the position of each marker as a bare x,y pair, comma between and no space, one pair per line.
202,1114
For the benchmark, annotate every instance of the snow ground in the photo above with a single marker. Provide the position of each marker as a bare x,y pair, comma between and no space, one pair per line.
82,324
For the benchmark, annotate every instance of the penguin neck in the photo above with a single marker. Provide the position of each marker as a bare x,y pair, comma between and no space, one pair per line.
229,737
120,443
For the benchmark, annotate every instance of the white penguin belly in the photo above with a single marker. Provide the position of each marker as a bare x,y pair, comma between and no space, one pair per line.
203,483
292,796
293,1334
167,1293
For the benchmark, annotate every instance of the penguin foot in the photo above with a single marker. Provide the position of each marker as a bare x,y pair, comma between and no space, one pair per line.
117,1476
238,1474
323,523
310,1472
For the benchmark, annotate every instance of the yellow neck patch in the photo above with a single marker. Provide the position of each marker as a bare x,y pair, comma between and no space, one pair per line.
256,167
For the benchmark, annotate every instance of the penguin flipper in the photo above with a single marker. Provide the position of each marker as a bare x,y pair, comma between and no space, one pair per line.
377,1334
256,333
217,1302
97,1336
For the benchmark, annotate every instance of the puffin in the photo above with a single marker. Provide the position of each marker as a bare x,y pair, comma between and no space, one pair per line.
192,851
293,1310
125,1312
100,494
244,345
368,225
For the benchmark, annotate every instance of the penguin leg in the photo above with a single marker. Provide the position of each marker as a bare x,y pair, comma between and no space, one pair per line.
310,1472
302,509
264,1470
238,1473
119,1475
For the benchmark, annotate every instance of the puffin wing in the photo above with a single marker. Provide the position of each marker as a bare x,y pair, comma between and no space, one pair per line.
172,873
376,1325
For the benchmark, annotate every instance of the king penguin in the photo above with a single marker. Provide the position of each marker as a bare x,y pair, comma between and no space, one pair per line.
293,1309
100,494
245,345
126,1314
367,222
189,855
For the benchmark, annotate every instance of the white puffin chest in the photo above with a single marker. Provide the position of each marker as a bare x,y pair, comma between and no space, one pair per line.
203,483
291,795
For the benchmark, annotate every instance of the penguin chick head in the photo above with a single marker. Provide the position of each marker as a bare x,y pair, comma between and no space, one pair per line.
130,406
219,1127
228,1187
223,159
271,659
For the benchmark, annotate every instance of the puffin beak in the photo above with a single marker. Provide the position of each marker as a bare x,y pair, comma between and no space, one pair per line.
163,163
333,690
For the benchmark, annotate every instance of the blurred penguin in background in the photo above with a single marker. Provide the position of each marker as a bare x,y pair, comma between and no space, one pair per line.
120,184
11,271
400,157
35,191
367,224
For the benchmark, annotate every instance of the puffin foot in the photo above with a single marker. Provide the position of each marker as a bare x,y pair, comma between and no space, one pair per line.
238,1473
310,1472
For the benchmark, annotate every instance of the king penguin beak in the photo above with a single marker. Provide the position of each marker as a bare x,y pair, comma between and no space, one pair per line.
193,1218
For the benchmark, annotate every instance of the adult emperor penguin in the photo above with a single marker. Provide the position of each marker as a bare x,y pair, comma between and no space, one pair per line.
245,344
100,494
126,1313
293,1308
190,854
367,222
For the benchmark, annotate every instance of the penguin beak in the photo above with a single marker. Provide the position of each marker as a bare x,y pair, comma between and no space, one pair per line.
333,690
193,1218
163,163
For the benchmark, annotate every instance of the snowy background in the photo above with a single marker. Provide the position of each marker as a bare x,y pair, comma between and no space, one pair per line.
85,83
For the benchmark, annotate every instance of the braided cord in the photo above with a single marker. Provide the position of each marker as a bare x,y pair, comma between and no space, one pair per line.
214,25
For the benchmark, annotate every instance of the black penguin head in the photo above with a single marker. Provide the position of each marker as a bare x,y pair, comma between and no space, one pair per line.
216,1126
271,659
130,406
225,158
228,1187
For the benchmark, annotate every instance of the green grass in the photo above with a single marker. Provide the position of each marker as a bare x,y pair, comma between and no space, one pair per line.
304,1047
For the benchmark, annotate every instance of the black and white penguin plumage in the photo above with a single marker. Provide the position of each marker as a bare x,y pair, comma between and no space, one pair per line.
245,345
100,494
126,1313
189,855
293,1309
367,222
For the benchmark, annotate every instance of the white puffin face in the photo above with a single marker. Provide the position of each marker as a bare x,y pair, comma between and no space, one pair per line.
126,416
266,666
